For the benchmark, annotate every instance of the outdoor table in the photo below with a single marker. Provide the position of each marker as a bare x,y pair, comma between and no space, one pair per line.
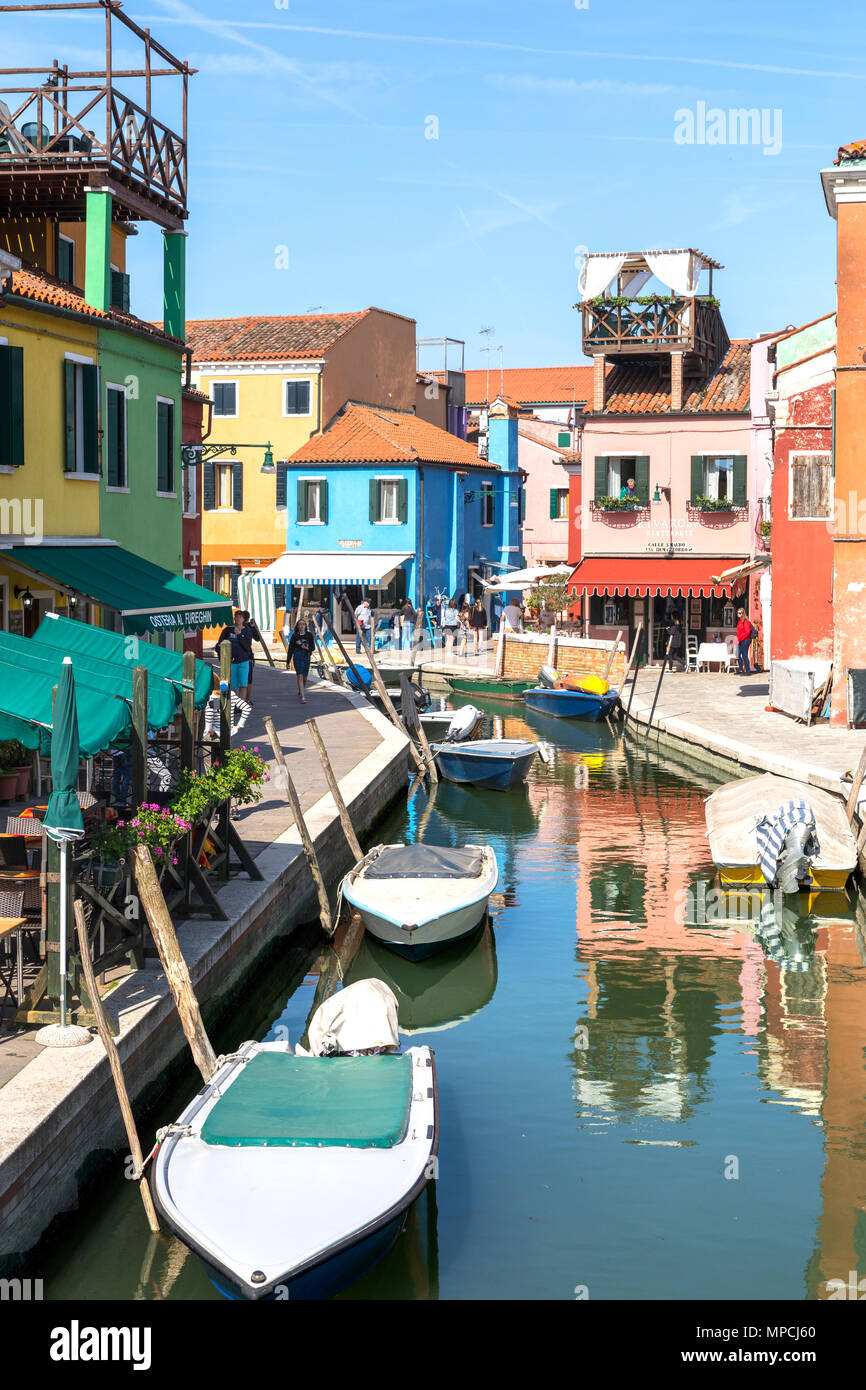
14,926
710,652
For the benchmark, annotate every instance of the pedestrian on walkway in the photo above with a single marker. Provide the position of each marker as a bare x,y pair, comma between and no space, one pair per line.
408,617
301,648
450,623
478,623
675,642
746,633
253,635
241,655
463,617
363,619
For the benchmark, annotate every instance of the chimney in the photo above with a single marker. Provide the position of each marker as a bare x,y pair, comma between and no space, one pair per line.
676,381
598,375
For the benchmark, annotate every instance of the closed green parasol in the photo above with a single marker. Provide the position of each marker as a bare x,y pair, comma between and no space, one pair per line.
63,822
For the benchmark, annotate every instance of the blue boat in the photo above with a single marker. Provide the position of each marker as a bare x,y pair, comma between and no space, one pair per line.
496,763
570,704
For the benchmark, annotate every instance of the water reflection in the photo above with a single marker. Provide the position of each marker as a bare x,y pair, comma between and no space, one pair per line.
436,993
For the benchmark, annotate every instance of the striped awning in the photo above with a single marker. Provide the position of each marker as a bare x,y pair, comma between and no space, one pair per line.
333,567
636,577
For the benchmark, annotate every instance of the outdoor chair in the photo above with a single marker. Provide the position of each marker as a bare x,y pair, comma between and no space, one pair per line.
691,652
42,774
23,825
13,851
29,891
10,912
731,644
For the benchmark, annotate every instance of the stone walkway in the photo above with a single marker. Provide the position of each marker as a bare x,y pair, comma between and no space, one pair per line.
727,715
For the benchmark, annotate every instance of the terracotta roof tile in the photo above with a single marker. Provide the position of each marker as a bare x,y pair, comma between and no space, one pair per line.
41,288
644,390
267,338
370,434
851,153
532,385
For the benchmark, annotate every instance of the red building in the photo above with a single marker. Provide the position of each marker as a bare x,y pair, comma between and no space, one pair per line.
195,427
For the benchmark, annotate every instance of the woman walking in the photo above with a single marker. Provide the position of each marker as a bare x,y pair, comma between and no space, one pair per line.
408,618
301,648
478,623
463,619
450,622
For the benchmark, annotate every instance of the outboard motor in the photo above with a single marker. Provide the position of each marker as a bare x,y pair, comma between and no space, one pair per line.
463,724
547,676
792,865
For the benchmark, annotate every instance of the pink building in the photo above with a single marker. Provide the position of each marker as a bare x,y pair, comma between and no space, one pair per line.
541,447
670,410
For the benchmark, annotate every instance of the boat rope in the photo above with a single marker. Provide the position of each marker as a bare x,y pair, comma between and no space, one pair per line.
161,1134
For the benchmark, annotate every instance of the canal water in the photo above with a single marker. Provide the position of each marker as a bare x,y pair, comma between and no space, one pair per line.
646,1091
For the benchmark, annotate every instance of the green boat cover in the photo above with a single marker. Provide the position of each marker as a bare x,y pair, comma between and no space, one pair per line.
114,681
68,637
308,1102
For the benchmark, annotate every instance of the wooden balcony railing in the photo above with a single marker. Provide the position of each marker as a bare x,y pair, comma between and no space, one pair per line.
617,326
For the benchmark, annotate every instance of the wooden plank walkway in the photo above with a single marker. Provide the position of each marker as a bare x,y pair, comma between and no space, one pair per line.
727,716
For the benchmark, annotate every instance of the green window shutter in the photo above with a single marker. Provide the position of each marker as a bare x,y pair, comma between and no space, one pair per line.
208,486
90,413
642,478
281,499
113,439
120,291
521,505
302,500
69,417
698,484
164,446
402,500
563,439
740,497
207,577
11,406
601,470
374,501
238,486
234,576
323,503
554,503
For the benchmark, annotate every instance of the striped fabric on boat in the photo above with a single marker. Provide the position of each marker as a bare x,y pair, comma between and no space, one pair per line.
771,831
779,938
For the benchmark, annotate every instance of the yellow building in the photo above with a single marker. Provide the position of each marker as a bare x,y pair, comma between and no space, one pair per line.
276,381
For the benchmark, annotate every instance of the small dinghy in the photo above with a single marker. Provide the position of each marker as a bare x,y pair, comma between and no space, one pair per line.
751,834
570,697
496,763
418,899
290,1176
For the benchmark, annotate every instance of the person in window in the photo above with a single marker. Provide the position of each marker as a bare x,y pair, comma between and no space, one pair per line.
242,653
363,619
478,624
628,493
746,633
301,648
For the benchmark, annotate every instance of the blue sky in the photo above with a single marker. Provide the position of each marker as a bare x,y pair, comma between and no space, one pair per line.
555,131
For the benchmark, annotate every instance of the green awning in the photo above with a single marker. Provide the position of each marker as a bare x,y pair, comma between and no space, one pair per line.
66,635
26,710
111,679
148,598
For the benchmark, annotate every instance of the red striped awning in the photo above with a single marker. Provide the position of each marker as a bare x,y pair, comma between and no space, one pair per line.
664,575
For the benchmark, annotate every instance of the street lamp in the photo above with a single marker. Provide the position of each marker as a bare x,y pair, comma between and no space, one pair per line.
268,466
25,596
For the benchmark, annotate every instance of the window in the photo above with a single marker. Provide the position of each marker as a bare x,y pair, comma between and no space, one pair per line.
218,578
720,478
559,504
81,417
613,472
388,501
225,484
312,501
225,398
488,504
810,487
189,477
11,406
119,290
66,260
164,447
114,443
563,439
297,400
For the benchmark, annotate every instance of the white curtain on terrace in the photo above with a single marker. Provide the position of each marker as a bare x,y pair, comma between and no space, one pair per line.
597,274
676,269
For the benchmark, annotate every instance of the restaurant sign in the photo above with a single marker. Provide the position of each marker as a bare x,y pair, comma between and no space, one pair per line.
177,619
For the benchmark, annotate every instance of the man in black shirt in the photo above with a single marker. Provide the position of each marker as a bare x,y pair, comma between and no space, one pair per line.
242,653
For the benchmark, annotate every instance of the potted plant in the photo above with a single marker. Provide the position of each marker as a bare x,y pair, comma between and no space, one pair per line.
713,504
21,763
618,504
8,771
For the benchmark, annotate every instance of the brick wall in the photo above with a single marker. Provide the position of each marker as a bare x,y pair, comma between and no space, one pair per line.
525,652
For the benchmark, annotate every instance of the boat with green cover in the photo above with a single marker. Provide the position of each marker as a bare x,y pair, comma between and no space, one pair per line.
291,1176
489,688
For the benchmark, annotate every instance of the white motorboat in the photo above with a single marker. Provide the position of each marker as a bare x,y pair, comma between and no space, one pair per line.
418,899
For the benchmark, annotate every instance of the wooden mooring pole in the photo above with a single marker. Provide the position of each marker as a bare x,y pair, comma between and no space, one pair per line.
334,788
173,963
306,839
104,1028
613,650
851,803
380,686
665,659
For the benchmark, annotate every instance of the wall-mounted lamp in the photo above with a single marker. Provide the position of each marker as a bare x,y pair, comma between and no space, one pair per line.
269,466
25,596
661,491
72,602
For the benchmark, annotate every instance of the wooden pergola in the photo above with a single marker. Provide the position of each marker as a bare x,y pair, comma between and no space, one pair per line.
63,132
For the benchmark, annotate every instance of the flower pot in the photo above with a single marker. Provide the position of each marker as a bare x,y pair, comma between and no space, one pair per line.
23,778
8,786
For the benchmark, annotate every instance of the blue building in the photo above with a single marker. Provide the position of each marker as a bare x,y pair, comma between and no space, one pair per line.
387,505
